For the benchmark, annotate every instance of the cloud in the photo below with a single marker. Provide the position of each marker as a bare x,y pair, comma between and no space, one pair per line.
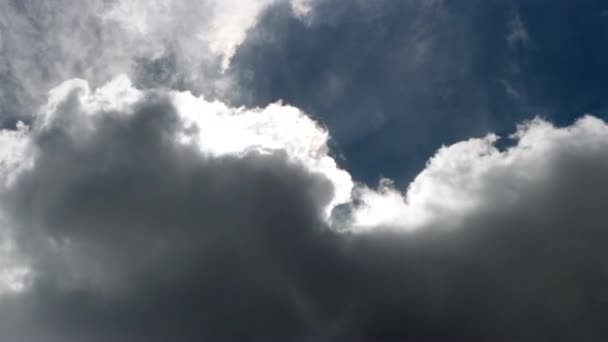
214,127
133,208
302,8
78,122
517,34
132,221
116,205
475,176
219,26
177,44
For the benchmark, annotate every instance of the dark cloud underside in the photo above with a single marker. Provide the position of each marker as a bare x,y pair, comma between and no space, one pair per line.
154,241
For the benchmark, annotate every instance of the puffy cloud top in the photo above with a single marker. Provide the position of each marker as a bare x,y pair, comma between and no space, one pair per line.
473,175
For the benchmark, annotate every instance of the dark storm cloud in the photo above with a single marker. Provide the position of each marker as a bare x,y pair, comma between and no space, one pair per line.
134,237
221,245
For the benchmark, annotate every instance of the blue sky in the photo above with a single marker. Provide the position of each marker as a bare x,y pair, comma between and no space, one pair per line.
394,80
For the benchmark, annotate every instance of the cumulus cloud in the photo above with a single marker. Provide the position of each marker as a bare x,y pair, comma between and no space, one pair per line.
517,33
124,163
132,219
138,209
400,77
474,175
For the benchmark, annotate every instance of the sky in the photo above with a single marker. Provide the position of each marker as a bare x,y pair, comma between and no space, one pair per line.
303,170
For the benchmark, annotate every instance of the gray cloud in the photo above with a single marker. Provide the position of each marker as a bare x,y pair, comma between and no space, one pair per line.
132,215
132,235
157,216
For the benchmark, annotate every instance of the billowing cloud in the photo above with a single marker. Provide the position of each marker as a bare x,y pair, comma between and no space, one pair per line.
165,205
219,26
137,206
131,219
180,44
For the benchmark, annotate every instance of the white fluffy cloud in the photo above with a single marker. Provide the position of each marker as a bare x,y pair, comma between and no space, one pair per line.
474,175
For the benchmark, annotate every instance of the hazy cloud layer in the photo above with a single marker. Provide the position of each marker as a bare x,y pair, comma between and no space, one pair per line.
394,80
474,175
